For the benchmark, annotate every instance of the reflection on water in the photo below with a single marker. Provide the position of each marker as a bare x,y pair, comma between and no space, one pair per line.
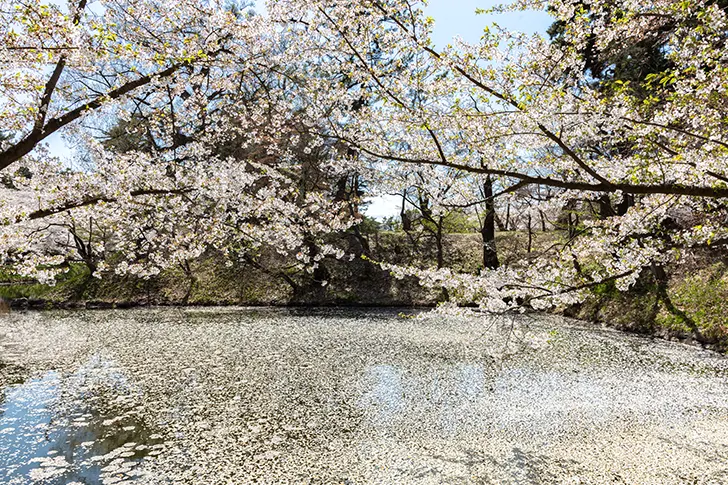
58,429
457,400
384,394
392,395
470,380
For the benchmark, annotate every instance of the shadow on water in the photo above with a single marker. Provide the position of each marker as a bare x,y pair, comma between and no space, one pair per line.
80,428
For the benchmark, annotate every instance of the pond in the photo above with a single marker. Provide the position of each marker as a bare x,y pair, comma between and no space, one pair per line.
236,395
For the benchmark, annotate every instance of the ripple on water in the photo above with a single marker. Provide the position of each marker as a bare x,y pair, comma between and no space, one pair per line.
56,429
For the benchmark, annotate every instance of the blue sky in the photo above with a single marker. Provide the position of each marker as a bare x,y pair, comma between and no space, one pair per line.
458,18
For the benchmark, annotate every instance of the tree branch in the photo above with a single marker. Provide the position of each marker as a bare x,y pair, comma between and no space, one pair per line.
92,200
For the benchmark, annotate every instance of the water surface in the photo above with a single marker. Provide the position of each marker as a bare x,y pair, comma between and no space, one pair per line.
208,396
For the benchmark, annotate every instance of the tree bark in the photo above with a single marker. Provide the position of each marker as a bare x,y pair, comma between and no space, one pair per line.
624,205
404,217
438,242
605,207
508,217
487,231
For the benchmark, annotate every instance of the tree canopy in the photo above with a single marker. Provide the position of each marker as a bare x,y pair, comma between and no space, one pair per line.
226,116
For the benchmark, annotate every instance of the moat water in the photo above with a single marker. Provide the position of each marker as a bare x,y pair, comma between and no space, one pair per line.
236,395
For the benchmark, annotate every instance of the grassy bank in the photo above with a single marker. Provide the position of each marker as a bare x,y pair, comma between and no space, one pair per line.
693,307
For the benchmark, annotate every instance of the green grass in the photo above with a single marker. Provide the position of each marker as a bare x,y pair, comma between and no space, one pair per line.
703,296
68,285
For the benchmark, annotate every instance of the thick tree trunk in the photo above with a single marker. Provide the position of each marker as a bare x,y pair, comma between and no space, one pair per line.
624,205
572,218
406,222
191,278
487,231
605,207
438,242
499,223
348,190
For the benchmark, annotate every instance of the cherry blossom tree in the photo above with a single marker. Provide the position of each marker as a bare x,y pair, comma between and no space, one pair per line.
203,87
361,81
533,115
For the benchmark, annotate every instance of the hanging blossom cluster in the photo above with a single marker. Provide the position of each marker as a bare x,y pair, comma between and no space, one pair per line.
209,204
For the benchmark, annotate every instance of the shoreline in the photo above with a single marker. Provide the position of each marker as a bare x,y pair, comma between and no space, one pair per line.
30,304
